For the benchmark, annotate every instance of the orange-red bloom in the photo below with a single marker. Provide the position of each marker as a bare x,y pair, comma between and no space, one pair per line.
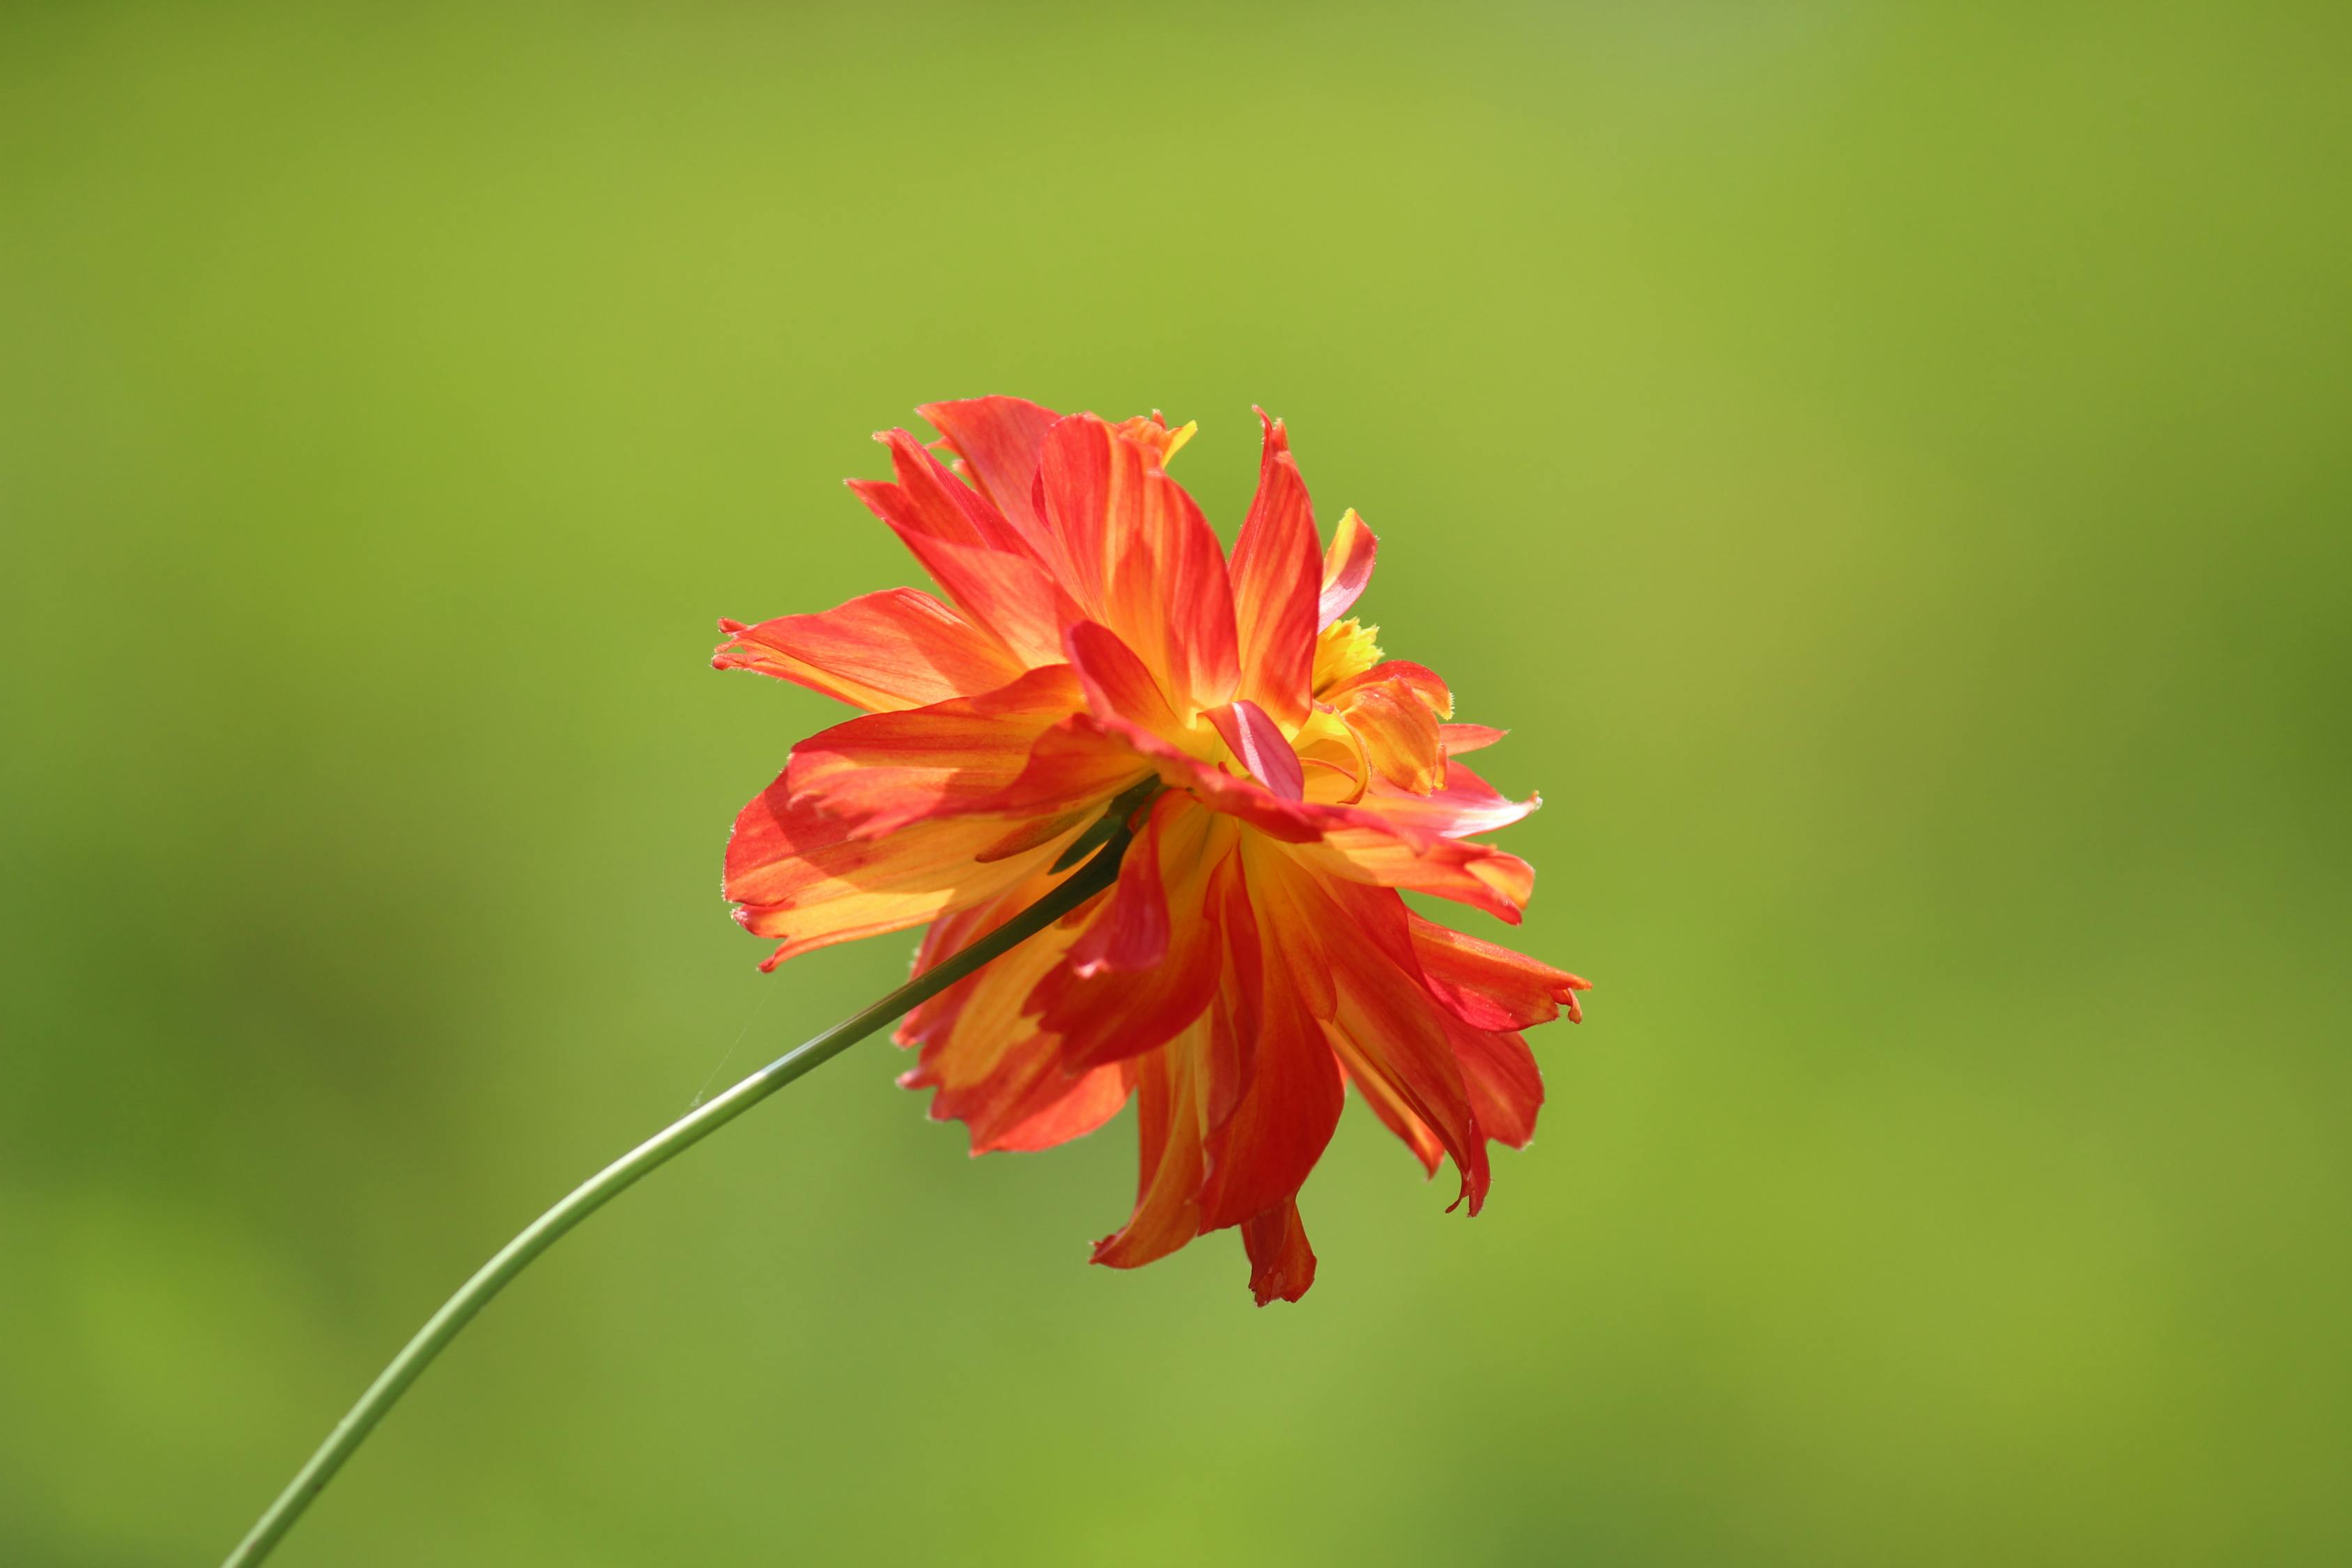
1098,649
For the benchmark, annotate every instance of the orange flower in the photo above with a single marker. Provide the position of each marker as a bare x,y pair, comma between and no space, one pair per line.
1103,663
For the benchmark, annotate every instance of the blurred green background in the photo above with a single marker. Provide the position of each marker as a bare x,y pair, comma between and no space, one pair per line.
1888,464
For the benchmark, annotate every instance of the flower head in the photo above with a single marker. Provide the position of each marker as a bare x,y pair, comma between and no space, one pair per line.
1099,662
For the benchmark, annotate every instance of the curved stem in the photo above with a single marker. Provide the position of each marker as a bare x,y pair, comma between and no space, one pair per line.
609,1182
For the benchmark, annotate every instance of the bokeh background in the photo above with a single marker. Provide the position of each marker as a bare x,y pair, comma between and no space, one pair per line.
1888,464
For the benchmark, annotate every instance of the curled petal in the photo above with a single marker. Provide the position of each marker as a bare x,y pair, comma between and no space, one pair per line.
1282,1265
1487,986
1465,803
1258,741
1398,734
883,652
1151,432
1346,567
1418,678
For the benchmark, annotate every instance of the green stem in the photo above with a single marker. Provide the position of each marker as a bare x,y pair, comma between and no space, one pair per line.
609,1182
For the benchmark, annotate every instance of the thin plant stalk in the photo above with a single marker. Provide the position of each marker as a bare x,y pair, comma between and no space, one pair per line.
608,1183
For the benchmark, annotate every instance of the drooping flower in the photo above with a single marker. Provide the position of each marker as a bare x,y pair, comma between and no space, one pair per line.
1099,661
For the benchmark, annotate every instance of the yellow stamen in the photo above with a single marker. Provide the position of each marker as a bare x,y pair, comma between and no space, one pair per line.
1346,648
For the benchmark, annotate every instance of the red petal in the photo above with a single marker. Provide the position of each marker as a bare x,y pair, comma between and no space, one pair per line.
801,877
1461,738
886,770
939,506
1129,706
1282,1265
1465,804
894,650
1418,678
1131,933
1390,1033
1167,1138
1398,734
1490,988
1083,1104
1073,765
1011,1091
1151,432
1398,1118
970,550
1346,567
1261,747
1289,821
1284,901
1236,1017
993,1067
1478,875
998,439
1139,557
1118,684
951,933
1399,1057
1275,593
1505,1090
1287,1099
1112,1015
